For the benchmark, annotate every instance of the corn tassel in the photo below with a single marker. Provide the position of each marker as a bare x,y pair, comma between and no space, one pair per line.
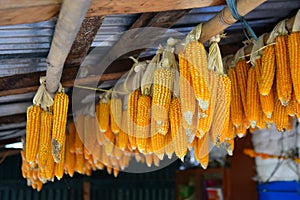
115,114
187,96
294,59
268,66
143,121
32,133
283,73
132,116
236,108
196,56
253,103
60,113
45,138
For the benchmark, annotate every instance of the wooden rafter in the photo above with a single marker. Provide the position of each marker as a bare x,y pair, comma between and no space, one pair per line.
29,11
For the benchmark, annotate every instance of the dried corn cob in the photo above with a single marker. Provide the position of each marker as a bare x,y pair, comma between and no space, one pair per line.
123,137
267,70
103,114
115,114
197,61
79,163
205,120
158,145
291,107
49,167
60,113
236,102
79,135
242,68
72,137
149,159
143,121
45,138
227,87
59,167
132,116
294,61
169,147
283,72
267,103
201,149
162,93
32,133
187,96
163,127
280,116
241,131
70,157
253,103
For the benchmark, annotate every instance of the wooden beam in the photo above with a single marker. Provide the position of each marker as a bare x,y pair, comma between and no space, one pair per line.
83,41
14,108
29,11
18,118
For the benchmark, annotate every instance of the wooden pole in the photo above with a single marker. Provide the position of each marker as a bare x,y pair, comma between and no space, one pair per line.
70,19
224,19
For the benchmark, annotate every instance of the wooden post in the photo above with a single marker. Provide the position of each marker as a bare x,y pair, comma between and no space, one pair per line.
224,19
70,19
86,190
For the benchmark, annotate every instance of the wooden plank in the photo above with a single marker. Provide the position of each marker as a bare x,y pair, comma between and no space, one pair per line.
14,108
29,11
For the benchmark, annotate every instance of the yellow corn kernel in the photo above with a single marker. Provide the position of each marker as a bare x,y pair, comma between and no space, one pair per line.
236,108
162,93
78,144
241,131
268,66
115,114
60,114
201,149
283,73
298,110
156,160
253,103
294,59
110,140
290,124
187,96
281,119
197,63
158,144
45,138
132,116
143,121
32,133
163,127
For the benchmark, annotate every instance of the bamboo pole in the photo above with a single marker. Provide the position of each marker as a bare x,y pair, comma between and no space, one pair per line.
69,21
224,19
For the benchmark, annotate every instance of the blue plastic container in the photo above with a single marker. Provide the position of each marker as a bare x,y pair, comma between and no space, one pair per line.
279,190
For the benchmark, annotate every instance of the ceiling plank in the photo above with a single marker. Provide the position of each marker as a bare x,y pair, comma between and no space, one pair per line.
83,41
20,11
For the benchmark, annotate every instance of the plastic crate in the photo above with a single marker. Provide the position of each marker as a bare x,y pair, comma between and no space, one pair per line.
280,190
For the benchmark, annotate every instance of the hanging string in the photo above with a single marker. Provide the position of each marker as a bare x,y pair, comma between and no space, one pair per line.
99,89
248,31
